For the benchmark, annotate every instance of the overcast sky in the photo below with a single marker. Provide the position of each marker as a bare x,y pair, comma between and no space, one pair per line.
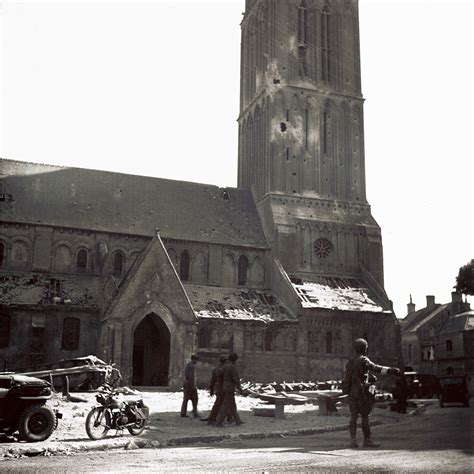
152,88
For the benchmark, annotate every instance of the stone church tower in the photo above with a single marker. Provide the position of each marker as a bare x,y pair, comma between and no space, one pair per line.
301,136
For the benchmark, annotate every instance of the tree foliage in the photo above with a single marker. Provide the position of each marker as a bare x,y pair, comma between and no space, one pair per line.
465,279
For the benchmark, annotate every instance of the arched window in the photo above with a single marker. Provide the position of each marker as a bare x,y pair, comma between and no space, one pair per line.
5,320
2,254
184,262
325,45
19,254
62,259
71,334
117,270
243,270
81,262
302,39
329,342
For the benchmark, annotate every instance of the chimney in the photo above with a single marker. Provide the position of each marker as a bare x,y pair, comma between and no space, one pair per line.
430,301
456,297
411,306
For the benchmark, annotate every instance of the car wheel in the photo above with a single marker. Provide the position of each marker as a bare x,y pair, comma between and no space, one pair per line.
36,423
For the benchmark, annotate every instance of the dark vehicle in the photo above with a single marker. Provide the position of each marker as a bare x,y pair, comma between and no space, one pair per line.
117,413
422,385
453,390
23,407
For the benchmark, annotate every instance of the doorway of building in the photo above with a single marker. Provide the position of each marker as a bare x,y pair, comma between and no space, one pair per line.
151,352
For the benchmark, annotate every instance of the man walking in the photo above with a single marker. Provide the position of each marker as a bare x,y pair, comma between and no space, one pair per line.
216,388
358,386
231,381
189,388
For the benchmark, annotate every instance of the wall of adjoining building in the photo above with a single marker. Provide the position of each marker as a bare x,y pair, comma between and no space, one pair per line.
37,336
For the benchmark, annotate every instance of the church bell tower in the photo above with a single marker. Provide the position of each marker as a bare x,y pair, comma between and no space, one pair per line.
301,135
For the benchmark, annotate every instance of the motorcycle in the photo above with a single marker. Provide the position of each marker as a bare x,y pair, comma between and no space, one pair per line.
116,413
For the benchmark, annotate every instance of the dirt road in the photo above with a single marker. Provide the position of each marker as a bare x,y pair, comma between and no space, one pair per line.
439,440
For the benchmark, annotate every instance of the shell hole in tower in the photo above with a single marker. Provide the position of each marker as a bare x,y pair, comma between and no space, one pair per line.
283,126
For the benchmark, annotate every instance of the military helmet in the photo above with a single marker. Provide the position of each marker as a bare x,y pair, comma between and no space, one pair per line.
360,346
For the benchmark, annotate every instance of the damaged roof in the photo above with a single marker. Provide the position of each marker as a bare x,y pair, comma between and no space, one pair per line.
346,294
235,303
127,204
459,322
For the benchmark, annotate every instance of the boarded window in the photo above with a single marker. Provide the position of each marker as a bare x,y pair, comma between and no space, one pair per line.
71,334
184,266
243,270
5,320
81,264
2,254
37,340
118,265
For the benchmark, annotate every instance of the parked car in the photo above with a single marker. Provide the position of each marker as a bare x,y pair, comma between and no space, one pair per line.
453,390
23,407
422,385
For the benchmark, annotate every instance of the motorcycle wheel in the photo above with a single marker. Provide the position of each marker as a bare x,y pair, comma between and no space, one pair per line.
36,423
98,423
137,428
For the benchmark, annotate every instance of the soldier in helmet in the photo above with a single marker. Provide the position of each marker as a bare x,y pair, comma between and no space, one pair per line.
357,384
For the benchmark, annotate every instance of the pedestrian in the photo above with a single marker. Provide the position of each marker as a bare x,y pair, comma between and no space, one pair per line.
189,388
358,384
216,388
230,382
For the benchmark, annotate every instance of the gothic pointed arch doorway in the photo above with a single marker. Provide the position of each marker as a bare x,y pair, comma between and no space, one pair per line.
151,352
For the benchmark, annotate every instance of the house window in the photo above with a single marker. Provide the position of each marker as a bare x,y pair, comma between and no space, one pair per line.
5,320
2,254
184,262
118,264
449,345
71,334
329,342
81,263
243,269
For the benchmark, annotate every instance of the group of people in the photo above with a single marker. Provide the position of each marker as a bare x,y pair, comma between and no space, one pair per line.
358,385
224,382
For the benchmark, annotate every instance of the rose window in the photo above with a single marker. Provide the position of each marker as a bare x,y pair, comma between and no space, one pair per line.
322,248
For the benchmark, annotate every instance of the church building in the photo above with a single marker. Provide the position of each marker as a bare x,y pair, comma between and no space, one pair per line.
286,269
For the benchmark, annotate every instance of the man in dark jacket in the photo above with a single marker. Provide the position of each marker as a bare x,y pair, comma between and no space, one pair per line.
189,387
357,385
231,381
216,388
